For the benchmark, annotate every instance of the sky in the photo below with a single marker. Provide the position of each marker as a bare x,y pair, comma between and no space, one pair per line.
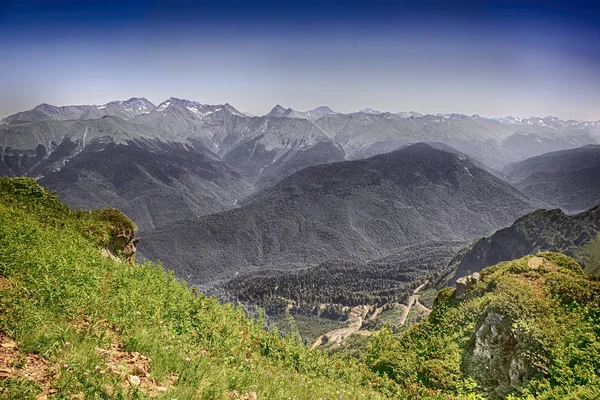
493,58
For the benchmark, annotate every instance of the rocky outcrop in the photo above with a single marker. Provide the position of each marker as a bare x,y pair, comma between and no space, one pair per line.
462,284
497,358
123,244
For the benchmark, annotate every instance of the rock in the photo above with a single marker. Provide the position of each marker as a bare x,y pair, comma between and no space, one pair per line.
497,356
134,380
536,262
463,283
106,253
123,244
9,345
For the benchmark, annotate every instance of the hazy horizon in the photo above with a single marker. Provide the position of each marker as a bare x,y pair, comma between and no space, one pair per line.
516,58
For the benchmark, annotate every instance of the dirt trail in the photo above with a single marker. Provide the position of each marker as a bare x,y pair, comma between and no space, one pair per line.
413,301
359,314
337,336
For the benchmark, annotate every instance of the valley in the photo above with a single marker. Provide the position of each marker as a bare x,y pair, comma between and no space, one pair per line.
295,209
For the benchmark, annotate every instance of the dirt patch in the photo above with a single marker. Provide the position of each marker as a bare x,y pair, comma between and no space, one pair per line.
133,368
337,336
536,262
3,282
15,363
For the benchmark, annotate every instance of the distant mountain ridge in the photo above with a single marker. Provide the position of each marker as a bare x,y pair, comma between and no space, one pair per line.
569,179
495,141
279,111
254,153
153,176
127,109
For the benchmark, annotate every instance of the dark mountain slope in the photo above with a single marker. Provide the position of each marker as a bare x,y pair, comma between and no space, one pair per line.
569,179
354,210
154,186
346,283
542,230
153,176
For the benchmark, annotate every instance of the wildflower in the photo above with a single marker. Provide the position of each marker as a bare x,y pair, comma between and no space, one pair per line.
138,313
85,373
67,343
187,359
97,367
102,371
66,365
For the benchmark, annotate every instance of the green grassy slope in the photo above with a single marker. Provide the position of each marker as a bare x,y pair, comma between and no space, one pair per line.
61,299
525,330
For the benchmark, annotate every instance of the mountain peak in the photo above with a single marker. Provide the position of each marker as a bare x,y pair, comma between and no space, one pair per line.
369,110
277,111
315,113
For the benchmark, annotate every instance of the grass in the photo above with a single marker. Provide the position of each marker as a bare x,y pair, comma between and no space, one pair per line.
98,320
549,336
62,300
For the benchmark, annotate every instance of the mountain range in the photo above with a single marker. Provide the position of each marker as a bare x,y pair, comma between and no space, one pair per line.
217,192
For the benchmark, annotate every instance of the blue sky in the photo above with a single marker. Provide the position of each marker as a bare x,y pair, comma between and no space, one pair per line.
490,58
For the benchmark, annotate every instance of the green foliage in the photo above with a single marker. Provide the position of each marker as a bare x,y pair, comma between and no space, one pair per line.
590,256
18,389
342,283
521,332
561,261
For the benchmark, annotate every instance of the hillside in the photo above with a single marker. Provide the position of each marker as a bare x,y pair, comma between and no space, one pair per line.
354,211
526,328
542,230
81,319
77,324
568,179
